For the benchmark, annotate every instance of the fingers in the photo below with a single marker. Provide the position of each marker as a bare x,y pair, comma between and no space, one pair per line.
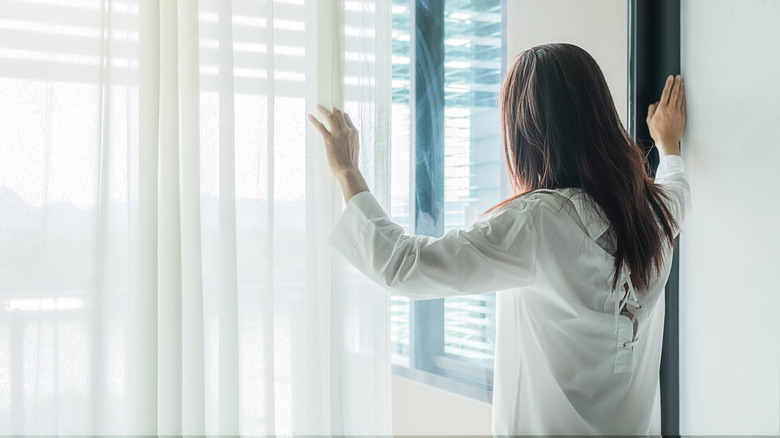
337,120
651,110
674,98
339,116
667,90
320,127
349,121
683,102
330,117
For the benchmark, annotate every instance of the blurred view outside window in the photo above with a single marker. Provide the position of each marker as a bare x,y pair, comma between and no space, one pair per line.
473,166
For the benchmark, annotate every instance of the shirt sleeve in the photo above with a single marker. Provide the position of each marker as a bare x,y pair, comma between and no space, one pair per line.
493,254
671,176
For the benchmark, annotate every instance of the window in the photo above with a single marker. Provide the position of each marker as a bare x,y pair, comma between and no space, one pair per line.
446,170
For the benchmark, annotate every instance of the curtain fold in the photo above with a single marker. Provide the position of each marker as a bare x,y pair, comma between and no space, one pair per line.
164,217
192,342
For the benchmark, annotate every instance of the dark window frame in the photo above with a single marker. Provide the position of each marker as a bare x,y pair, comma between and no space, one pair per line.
653,55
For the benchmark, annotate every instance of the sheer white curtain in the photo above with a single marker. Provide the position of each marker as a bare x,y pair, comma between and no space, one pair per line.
164,216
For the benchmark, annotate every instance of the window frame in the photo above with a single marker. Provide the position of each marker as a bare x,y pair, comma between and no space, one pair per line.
428,361
653,54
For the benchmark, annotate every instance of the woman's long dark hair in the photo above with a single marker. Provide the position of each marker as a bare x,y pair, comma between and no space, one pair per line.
561,130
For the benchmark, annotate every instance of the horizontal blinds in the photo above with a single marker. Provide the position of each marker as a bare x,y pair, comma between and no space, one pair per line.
472,156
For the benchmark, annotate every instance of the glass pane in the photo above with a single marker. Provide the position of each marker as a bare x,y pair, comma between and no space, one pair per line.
473,165
472,153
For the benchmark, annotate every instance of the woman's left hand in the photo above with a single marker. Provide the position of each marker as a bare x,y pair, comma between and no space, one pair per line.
342,147
342,144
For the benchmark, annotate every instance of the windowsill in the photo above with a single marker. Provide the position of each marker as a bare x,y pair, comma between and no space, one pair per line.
445,384
423,410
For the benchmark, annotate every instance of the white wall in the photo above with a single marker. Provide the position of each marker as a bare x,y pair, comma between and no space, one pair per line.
598,26
424,410
730,248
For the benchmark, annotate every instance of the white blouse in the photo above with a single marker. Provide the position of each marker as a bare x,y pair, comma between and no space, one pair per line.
573,355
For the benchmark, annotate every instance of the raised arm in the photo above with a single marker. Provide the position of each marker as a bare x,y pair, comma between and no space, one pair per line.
666,121
494,254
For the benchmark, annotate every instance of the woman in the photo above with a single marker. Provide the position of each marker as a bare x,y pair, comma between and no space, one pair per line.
580,254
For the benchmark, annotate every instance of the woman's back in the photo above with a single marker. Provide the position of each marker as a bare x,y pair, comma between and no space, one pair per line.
565,363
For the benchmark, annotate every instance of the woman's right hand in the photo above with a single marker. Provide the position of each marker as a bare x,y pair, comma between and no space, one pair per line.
666,118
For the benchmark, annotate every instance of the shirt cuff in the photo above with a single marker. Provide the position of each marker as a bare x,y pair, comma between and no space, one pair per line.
361,209
366,203
670,164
